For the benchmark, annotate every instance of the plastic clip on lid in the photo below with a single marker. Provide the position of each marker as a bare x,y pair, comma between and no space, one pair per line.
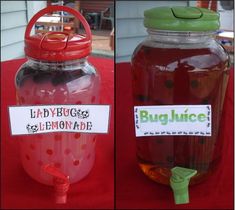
61,183
179,182
181,19
56,45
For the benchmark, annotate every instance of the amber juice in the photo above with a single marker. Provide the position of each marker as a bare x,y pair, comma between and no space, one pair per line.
180,76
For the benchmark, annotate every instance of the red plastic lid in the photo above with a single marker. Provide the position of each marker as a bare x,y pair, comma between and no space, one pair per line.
57,46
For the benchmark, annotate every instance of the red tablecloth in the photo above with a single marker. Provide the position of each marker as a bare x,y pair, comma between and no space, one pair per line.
135,191
20,191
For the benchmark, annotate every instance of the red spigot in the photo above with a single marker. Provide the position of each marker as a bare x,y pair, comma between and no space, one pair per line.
61,183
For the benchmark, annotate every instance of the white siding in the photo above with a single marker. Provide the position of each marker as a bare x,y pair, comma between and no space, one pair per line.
15,50
226,18
12,6
130,30
13,23
9,36
14,18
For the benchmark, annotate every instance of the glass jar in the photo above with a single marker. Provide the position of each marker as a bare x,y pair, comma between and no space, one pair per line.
57,73
69,82
180,63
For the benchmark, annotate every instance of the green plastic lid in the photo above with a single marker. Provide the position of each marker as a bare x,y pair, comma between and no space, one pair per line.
179,182
181,19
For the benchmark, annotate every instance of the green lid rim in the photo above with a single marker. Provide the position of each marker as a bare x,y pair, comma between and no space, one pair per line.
163,18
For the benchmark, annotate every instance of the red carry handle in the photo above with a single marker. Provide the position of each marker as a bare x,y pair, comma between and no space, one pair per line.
58,8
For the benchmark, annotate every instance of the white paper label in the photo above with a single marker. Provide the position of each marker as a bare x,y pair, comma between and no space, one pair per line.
59,118
173,120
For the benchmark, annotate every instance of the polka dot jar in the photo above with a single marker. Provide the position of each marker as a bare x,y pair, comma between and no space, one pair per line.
57,72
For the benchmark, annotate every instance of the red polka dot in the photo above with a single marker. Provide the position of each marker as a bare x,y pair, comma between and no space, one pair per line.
78,102
32,146
93,99
67,151
49,151
77,135
27,157
57,165
83,147
58,137
76,162
89,156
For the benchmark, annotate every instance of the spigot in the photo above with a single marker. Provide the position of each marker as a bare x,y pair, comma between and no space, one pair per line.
61,183
179,182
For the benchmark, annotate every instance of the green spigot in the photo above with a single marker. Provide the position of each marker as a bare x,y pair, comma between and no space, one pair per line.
179,182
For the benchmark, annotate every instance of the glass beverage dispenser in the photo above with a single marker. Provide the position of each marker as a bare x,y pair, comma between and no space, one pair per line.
180,76
57,72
